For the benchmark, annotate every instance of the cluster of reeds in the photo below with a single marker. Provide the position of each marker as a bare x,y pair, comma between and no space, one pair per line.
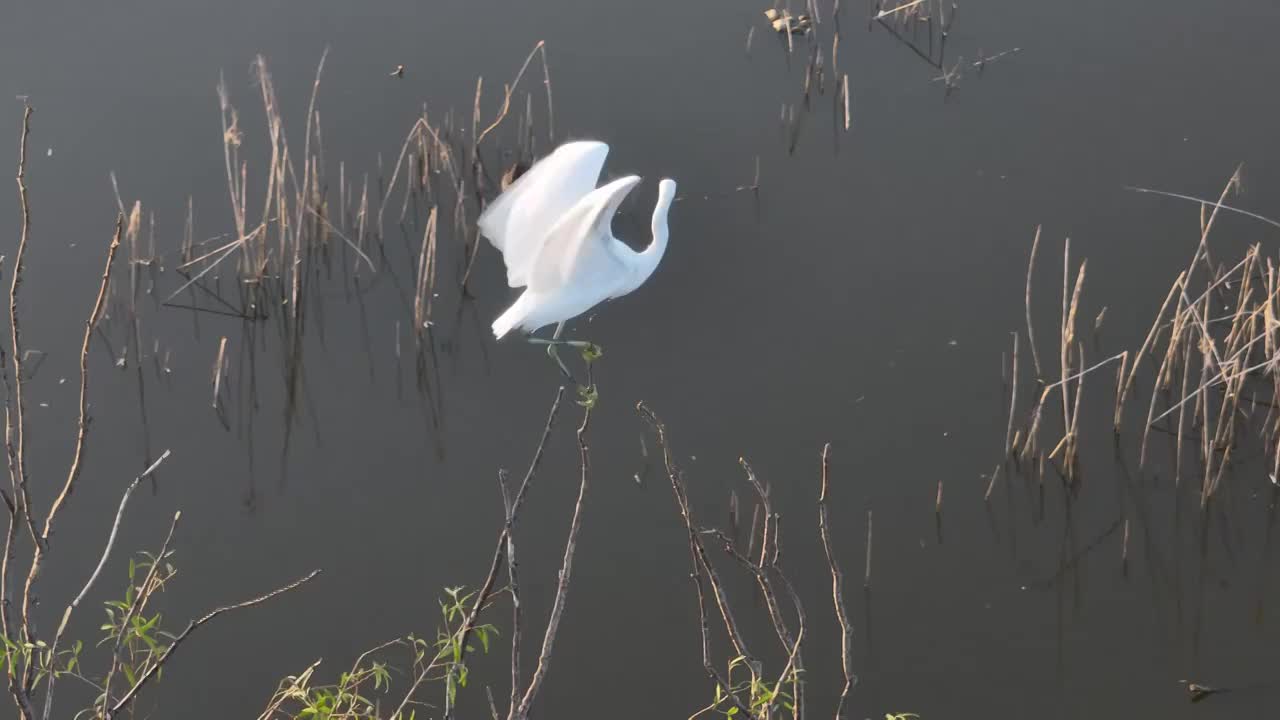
299,222
922,26
808,32
1212,351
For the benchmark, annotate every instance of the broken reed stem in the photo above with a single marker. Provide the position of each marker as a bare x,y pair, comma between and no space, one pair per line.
129,696
837,587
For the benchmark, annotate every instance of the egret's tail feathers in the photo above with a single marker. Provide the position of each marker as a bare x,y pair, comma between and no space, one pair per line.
513,317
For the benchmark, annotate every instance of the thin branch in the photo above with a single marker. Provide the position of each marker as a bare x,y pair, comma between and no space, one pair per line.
135,608
837,591
191,626
19,450
566,567
510,90
106,552
82,426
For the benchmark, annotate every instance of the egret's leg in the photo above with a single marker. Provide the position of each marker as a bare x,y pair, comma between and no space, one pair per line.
555,355
552,352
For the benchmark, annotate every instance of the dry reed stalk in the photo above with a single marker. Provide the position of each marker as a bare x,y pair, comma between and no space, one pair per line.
540,47
1206,449
1068,326
1073,455
475,117
991,485
1033,430
1013,398
1124,548
219,368
937,500
751,539
844,94
898,9
866,578
1176,288
1151,409
423,295
1119,399
1029,441
1031,336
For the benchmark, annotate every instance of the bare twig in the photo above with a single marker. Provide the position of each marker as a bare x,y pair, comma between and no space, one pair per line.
106,553
837,589
19,448
82,427
566,569
129,696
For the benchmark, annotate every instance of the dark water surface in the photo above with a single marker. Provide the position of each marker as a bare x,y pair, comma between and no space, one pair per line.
865,301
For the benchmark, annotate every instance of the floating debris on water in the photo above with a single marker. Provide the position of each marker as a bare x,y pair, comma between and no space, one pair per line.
398,72
1197,692
785,22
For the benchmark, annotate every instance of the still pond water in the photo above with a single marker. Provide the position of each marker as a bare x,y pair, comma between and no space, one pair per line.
864,297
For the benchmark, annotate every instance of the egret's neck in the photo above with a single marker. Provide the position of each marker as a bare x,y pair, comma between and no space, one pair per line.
649,257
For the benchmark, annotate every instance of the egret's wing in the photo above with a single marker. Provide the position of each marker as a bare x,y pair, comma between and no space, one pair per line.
519,218
577,247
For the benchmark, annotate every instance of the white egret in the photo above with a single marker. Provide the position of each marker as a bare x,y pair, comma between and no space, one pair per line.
554,229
